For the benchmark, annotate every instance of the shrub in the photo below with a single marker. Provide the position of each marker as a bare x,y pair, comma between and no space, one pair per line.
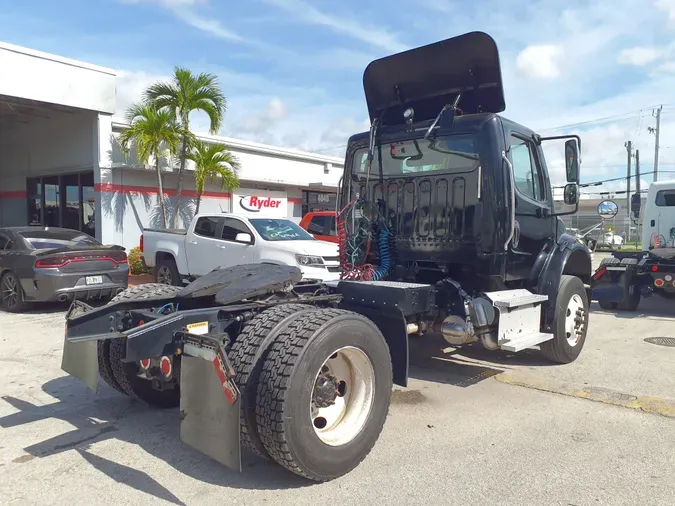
135,263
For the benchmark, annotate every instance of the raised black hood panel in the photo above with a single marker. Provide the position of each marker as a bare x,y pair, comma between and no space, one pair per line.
430,77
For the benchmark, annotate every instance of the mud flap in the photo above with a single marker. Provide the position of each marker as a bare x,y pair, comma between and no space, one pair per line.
80,356
210,405
80,360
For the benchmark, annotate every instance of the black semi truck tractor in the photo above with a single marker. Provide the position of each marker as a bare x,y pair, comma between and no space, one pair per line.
446,224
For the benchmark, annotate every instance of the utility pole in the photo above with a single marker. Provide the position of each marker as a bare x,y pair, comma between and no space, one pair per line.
629,149
657,114
637,171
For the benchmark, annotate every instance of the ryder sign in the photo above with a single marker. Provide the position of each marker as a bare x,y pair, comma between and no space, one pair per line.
262,204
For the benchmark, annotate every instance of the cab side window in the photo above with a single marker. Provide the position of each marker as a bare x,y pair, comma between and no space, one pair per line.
206,226
232,227
526,171
318,225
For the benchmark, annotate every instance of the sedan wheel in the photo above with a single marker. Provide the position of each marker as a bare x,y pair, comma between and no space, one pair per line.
11,296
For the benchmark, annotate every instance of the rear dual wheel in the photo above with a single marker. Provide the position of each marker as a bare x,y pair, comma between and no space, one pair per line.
323,393
122,376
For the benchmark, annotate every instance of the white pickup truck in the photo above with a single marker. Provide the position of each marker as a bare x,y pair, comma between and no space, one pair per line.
226,240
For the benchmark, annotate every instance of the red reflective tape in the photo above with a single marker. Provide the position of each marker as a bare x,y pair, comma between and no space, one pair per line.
149,190
16,194
228,389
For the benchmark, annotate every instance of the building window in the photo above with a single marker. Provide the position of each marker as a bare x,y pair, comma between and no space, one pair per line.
318,201
64,201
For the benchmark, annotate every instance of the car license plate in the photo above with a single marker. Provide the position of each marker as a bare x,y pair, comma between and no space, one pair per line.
94,280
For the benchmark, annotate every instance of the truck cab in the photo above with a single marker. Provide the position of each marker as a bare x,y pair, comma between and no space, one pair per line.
446,192
658,216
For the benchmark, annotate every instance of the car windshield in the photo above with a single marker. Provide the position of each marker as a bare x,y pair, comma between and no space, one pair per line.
280,230
52,239
453,153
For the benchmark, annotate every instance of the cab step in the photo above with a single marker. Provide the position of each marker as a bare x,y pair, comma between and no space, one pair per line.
525,341
519,320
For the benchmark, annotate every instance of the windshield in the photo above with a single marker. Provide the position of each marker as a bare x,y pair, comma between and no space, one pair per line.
280,230
453,153
51,239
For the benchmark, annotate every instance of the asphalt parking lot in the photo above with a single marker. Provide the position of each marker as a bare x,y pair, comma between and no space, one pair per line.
472,428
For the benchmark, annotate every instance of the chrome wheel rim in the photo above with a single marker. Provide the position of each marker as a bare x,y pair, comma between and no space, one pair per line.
342,396
575,320
10,291
164,275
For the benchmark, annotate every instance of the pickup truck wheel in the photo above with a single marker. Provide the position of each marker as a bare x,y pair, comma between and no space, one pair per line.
324,393
166,272
124,375
570,323
247,356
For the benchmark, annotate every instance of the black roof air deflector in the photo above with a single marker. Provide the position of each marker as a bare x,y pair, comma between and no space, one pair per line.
428,77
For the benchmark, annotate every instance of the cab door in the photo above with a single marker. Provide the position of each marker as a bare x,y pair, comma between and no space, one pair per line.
534,203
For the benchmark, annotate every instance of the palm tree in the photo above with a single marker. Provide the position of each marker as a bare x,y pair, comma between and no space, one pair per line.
213,161
187,92
153,132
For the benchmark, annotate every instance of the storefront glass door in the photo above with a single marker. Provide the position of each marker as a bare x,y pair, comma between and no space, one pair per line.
68,201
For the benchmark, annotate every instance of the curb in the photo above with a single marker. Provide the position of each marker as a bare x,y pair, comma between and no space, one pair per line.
648,404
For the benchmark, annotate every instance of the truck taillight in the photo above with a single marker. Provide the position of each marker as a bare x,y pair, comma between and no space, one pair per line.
141,245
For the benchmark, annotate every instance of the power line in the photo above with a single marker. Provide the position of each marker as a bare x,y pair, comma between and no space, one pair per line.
623,178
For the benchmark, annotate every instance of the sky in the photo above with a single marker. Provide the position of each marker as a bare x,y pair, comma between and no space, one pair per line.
292,69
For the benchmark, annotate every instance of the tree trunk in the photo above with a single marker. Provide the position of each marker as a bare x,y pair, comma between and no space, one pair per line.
199,200
179,185
160,189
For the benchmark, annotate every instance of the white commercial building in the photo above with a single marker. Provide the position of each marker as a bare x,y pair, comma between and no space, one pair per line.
60,164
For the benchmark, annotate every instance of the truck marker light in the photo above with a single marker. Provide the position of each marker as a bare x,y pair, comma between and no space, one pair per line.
655,268
165,366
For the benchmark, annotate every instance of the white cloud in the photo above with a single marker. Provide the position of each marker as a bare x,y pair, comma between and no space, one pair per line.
668,6
540,61
276,109
664,68
184,10
370,34
640,56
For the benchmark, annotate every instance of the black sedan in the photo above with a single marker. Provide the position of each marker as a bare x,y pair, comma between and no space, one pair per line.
57,264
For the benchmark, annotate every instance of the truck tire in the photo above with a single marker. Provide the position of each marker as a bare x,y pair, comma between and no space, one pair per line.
570,324
166,272
122,376
247,356
608,306
324,393
632,302
609,261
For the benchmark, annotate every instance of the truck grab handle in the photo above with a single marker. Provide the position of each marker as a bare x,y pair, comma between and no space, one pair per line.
512,184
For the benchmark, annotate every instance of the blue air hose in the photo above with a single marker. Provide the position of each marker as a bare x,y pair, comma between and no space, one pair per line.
385,255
